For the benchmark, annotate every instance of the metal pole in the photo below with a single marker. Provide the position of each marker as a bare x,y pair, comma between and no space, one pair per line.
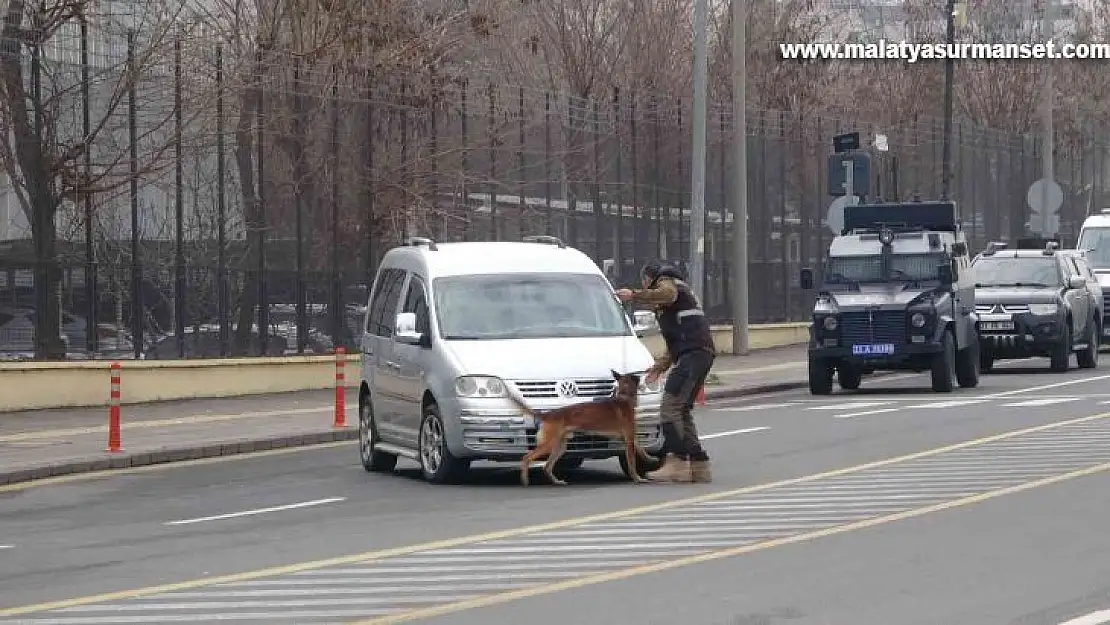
740,179
137,309
849,181
949,77
1049,155
91,273
179,207
697,165
221,209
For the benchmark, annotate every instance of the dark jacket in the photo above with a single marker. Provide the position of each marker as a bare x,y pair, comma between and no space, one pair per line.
681,319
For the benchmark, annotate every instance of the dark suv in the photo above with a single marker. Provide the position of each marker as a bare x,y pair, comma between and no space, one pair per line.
1033,302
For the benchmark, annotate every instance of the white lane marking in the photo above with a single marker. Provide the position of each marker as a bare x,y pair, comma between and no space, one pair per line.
733,432
7,546
840,518
1094,618
750,408
865,413
629,558
372,577
1047,401
582,547
953,403
239,605
265,617
1045,387
258,593
849,405
232,515
835,499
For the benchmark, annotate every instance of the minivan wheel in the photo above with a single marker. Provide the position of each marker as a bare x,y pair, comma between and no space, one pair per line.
372,460
436,462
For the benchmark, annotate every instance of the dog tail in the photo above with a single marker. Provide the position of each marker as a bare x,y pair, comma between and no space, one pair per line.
519,403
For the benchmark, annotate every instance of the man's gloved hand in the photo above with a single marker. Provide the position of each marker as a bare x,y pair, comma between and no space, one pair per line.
652,375
624,294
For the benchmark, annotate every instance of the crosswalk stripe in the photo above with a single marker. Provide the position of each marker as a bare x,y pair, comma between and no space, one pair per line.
849,405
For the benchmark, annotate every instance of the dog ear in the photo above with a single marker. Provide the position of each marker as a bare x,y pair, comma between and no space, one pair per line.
616,376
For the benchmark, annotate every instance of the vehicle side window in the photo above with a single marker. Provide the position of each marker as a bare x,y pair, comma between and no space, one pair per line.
385,302
417,302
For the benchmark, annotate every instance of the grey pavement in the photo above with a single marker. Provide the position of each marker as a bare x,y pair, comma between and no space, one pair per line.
44,443
1037,555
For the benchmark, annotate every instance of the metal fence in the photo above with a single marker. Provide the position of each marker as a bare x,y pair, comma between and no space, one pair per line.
214,190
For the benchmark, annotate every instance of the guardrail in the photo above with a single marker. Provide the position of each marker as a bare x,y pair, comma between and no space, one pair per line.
73,384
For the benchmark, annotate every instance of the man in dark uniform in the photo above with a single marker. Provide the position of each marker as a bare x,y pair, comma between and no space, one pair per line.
690,354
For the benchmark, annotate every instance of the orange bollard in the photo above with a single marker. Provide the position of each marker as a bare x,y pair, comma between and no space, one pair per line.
700,400
114,445
340,389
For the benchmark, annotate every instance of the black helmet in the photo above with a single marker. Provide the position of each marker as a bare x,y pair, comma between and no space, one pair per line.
656,269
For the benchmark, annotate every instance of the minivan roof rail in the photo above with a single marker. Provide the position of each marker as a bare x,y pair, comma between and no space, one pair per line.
545,239
425,241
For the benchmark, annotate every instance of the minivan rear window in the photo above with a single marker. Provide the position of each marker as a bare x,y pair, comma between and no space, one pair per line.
526,305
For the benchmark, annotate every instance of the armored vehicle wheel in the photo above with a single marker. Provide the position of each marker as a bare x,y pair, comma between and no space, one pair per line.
944,366
1088,358
849,377
820,376
967,365
1061,353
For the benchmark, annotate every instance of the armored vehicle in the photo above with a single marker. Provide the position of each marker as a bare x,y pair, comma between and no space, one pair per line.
895,295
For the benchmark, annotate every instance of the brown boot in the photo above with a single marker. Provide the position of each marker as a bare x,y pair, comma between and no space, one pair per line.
699,471
673,470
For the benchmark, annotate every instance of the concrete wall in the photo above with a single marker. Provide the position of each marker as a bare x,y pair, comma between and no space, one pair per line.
37,385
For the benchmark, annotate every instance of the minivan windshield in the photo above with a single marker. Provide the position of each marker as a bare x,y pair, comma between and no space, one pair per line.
1097,240
527,305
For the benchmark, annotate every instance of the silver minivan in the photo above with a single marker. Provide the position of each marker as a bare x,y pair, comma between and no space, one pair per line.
451,327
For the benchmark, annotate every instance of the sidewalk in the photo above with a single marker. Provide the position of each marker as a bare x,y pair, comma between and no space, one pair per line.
45,443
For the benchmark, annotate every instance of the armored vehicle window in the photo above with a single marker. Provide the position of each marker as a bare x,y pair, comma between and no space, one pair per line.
1019,271
870,268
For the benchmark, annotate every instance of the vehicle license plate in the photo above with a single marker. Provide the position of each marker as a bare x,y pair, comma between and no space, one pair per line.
997,325
882,349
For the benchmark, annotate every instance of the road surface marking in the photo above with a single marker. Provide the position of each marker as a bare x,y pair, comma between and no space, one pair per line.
953,403
234,515
7,546
610,576
865,413
733,432
433,552
756,407
1047,401
1094,618
851,405
161,423
1045,387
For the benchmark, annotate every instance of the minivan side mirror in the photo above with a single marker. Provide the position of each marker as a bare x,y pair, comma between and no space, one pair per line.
806,279
404,329
945,274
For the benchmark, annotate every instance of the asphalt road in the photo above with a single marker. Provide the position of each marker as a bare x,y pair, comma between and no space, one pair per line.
919,540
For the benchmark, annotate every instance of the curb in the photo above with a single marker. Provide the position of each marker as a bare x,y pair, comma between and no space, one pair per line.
246,446
177,454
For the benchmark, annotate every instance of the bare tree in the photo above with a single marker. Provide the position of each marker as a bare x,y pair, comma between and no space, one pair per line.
42,151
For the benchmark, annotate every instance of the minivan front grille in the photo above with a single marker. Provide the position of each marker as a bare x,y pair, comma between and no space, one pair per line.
882,326
551,389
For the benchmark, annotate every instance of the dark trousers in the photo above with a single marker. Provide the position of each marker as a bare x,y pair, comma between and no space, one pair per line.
686,378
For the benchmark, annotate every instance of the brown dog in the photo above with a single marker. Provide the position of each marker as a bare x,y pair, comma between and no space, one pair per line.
612,415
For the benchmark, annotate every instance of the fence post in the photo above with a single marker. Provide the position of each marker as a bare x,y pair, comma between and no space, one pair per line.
340,389
114,444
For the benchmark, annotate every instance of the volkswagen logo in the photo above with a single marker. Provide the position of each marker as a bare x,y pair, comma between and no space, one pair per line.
567,388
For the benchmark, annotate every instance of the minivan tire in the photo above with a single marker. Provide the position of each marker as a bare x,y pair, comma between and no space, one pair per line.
437,464
373,460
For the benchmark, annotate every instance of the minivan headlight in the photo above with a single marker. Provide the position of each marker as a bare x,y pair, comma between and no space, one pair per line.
479,386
